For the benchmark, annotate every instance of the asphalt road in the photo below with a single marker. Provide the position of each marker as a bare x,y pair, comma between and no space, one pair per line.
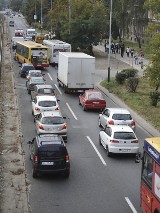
97,184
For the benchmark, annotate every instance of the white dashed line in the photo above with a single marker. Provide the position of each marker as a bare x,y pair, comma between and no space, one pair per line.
130,205
99,155
71,111
50,77
58,89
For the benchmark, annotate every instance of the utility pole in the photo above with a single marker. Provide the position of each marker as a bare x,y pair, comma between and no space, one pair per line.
41,18
69,5
35,16
51,17
110,37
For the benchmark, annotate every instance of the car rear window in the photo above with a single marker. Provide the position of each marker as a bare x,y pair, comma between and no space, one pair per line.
27,68
35,74
95,96
37,81
47,103
124,135
52,120
122,117
46,91
52,150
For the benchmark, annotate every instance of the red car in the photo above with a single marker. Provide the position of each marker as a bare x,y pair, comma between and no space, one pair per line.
92,99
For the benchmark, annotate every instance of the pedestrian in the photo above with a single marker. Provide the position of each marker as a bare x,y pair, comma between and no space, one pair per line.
136,58
105,46
128,51
142,53
122,50
112,47
141,62
132,52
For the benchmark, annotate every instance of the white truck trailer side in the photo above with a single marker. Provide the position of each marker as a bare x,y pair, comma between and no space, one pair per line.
76,71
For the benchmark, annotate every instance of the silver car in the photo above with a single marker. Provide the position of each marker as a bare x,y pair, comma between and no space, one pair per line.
116,116
51,122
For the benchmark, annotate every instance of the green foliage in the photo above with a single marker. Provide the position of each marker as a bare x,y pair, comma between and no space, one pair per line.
120,77
131,84
154,96
125,74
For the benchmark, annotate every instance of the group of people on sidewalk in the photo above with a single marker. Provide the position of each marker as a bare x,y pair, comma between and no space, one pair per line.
120,49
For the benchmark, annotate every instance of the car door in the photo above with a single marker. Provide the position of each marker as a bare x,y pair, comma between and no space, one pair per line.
34,102
104,117
82,98
105,136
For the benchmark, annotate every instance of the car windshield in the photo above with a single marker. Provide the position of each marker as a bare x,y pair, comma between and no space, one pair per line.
46,91
95,96
47,103
52,120
37,81
122,117
27,68
35,74
124,135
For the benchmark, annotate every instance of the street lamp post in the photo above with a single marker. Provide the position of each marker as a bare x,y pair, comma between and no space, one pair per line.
41,18
110,37
69,5
51,16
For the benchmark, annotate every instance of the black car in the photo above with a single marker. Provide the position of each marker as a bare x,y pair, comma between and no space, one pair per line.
48,154
25,69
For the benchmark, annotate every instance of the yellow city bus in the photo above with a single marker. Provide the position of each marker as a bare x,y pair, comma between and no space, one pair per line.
31,52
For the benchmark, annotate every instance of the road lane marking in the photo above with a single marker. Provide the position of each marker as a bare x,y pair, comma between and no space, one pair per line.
130,205
71,111
50,77
58,89
100,156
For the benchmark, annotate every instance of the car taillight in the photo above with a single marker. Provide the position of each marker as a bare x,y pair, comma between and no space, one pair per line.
40,126
36,159
114,141
58,108
133,123
135,141
67,158
36,93
36,108
64,126
111,122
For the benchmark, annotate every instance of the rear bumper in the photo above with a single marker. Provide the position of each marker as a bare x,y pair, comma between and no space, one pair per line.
63,134
131,150
40,170
98,106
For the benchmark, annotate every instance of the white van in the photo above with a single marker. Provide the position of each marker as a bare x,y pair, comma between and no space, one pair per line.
30,32
56,46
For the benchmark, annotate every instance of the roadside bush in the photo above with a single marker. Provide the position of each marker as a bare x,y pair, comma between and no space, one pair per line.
120,78
131,84
129,72
154,96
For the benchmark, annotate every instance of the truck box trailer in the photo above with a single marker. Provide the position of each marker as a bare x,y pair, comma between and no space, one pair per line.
76,71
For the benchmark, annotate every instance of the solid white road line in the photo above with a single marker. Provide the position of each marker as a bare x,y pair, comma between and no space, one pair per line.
130,205
100,156
71,111
50,76
58,89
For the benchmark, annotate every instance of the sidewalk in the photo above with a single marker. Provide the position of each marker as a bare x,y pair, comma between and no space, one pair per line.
128,60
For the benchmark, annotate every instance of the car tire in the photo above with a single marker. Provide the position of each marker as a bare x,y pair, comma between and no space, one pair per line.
100,140
34,173
67,173
99,123
108,152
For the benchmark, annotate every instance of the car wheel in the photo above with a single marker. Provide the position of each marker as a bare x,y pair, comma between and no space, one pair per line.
67,173
100,140
108,152
34,173
79,102
99,122
29,91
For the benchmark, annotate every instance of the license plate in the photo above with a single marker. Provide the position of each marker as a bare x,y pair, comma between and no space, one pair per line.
125,150
47,163
95,102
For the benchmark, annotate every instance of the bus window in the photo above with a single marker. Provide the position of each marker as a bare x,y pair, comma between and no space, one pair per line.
147,170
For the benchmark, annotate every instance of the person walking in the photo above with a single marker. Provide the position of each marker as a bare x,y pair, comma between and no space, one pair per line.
136,58
128,51
122,50
132,52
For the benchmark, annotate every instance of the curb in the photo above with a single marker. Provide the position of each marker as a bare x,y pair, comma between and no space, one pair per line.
149,128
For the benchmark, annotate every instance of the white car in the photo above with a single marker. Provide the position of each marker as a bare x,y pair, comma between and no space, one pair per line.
119,139
116,116
44,103
51,122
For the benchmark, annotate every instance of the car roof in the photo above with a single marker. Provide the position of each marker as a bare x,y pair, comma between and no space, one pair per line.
51,113
44,86
121,128
34,71
27,64
119,110
46,98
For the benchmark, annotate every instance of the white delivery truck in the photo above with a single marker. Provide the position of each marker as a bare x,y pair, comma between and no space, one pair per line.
30,32
76,71
56,46
14,40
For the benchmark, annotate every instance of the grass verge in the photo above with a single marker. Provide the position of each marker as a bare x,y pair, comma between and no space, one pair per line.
138,101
